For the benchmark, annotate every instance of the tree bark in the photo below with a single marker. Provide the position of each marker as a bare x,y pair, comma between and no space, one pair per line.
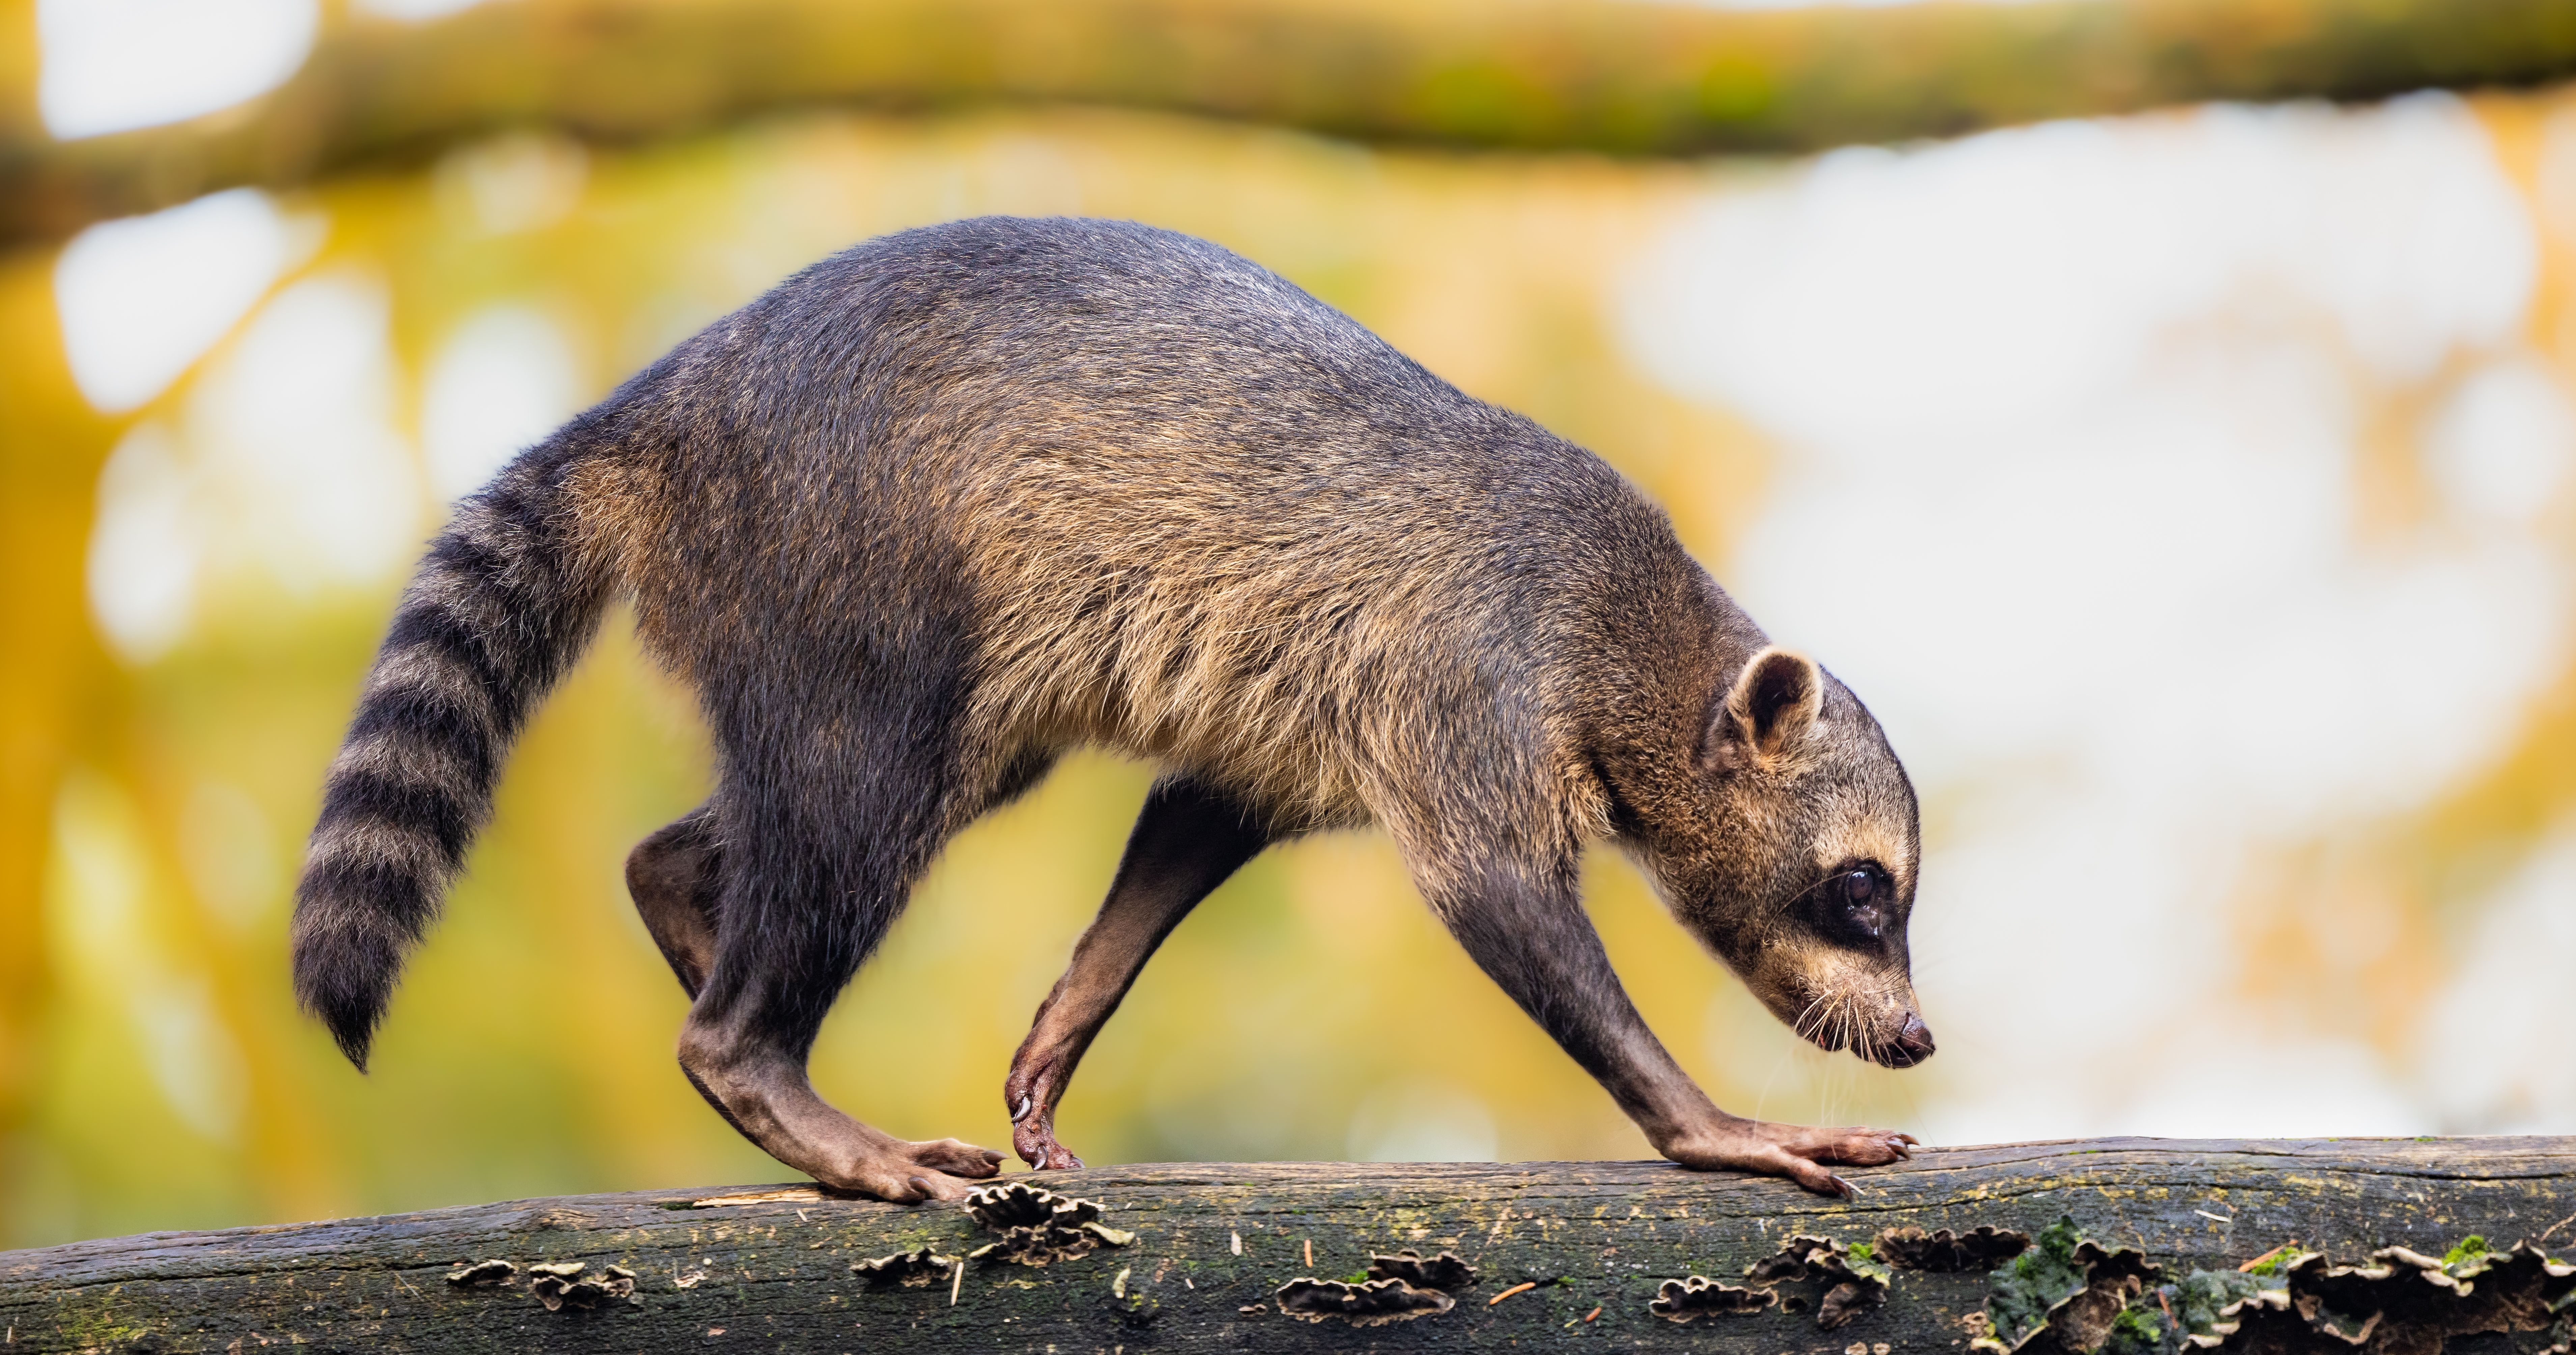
1611,75
1560,1252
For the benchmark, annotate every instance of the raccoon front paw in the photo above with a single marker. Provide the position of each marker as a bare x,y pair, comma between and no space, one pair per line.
1852,1146
1033,1138
1031,1091
902,1172
1044,1153
1794,1151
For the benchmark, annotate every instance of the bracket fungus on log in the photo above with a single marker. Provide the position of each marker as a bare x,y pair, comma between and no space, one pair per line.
1369,1303
2179,1245
1444,1272
1397,1288
2075,1292
912,1269
1688,1300
556,1284
1943,1252
2402,1302
562,1285
1845,1282
1848,1280
2285,1302
1038,1226
495,1271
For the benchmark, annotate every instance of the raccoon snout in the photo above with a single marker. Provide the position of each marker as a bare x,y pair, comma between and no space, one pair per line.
1912,1045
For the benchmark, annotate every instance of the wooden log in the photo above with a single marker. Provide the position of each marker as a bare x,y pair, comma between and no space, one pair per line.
1614,76
2115,1246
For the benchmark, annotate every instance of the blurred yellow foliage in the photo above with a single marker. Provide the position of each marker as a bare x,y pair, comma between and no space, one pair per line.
155,1074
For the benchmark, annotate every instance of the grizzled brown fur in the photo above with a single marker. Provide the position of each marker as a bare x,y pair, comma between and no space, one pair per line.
950,503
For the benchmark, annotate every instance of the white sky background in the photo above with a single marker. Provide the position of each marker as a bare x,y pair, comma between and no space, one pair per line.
2069,421
115,65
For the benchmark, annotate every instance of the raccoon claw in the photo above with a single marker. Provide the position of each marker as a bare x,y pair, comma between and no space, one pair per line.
1810,1177
1034,1140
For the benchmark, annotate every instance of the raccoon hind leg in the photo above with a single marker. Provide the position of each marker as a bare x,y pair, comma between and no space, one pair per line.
824,819
676,877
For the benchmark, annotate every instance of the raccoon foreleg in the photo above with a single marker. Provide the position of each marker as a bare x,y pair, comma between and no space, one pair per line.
676,877
1187,840
1527,930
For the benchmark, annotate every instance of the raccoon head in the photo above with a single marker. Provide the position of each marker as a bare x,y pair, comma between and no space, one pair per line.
1793,856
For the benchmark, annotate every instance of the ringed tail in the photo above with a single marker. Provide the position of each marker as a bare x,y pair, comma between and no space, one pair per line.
501,606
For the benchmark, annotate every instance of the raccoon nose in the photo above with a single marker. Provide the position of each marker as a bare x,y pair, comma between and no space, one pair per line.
1913,1043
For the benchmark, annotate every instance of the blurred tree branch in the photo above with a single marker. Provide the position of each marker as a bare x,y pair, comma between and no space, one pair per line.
1601,75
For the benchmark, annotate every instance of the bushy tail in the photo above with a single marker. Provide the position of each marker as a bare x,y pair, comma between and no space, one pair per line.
501,606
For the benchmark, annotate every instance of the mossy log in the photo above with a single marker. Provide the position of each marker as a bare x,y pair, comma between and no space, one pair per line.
2117,1247
1616,76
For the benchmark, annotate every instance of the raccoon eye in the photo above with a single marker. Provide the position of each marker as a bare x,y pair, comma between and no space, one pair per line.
1855,905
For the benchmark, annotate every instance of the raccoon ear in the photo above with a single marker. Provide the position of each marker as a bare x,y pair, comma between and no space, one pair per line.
1775,701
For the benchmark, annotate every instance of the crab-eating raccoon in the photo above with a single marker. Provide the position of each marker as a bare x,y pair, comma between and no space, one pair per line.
947,504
